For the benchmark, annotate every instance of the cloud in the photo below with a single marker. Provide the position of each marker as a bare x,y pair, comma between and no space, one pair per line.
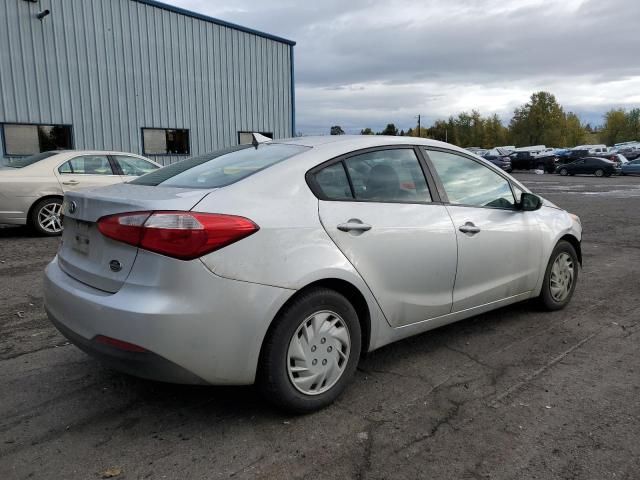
366,63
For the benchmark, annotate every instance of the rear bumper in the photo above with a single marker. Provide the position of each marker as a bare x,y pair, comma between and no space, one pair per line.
196,326
140,364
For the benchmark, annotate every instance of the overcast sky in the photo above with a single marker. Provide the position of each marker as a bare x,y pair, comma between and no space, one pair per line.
366,63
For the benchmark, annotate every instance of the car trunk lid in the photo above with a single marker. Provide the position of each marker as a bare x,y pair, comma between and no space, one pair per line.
90,257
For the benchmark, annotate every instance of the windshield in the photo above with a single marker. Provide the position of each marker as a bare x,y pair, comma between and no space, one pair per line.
26,161
220,168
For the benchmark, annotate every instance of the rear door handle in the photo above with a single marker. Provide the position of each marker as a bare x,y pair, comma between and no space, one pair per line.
354,225
71,182
469,228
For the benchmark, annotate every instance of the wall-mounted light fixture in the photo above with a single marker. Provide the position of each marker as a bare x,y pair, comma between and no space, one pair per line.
43,14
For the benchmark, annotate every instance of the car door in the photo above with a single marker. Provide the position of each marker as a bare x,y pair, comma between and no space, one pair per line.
86,171
131,167
578,167
499,245
380,211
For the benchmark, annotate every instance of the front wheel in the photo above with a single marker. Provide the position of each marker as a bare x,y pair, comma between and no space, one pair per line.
45,217
560,278
599,172
311,353
564,172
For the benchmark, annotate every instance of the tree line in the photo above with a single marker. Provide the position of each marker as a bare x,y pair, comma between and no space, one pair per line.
540,121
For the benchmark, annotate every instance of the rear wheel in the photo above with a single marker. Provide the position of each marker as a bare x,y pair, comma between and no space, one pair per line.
564,172
311,353
560,278
45,217
599,173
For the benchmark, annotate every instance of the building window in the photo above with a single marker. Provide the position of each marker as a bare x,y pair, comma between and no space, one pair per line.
24,139
165,141
245,138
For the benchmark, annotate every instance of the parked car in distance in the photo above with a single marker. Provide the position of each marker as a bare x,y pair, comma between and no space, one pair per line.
500,158
528,161
571,155
631,168
630,152
32,188
617,158
281,263
589,166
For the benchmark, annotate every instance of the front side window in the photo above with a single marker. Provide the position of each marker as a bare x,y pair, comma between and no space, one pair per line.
87,165
218,169
134,166
392,175
165,141
21,139
467,182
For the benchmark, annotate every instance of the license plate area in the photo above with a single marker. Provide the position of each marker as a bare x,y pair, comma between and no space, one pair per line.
80,238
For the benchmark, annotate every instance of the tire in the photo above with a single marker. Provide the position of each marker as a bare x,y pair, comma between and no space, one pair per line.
552,298
278,369
45,219
599,173
540,166
564,172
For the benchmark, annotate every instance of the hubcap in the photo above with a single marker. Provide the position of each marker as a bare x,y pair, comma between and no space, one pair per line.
318,353
562,273
49,218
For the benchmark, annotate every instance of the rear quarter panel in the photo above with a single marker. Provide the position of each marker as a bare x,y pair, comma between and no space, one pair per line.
291,250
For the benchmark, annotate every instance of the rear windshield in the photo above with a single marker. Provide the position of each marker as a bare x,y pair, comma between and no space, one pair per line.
220,168
26,161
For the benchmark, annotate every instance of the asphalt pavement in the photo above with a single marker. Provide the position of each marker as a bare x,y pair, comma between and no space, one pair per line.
513,394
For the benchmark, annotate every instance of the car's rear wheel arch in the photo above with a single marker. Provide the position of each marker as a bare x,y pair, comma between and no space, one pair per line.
46,197
350,292
34,209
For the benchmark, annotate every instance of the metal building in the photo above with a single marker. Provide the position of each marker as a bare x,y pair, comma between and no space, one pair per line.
137,76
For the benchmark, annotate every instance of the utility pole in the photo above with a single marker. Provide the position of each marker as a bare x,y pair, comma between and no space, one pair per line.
419,133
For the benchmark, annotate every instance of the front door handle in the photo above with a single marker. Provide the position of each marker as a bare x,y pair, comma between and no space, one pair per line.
469,228
71,182
354,225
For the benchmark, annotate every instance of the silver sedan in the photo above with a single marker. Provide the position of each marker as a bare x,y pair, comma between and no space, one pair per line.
281,262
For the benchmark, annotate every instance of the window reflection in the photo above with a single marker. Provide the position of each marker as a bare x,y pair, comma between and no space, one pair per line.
467,182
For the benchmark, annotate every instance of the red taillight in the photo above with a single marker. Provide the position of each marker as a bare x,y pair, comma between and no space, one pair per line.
183,235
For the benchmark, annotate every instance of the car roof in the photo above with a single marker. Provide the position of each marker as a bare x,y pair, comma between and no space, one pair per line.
355,142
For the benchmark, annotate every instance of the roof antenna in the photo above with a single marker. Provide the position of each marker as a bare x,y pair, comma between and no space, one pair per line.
258,139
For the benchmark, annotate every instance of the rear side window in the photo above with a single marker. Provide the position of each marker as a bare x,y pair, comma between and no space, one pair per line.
333,182
134,166
221,168
389,175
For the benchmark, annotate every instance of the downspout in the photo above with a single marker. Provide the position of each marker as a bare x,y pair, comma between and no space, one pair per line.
293,92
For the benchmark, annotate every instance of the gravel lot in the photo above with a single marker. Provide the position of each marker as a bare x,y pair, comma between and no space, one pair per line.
515,393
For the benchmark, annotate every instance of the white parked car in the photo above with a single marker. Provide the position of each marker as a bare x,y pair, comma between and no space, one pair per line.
280,263
32,188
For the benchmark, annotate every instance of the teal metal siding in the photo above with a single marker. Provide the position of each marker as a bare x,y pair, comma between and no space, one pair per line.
112,67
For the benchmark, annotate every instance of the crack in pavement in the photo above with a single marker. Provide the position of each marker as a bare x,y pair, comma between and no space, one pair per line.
528,378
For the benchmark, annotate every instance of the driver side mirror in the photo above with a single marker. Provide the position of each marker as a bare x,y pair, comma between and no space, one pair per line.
530,202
